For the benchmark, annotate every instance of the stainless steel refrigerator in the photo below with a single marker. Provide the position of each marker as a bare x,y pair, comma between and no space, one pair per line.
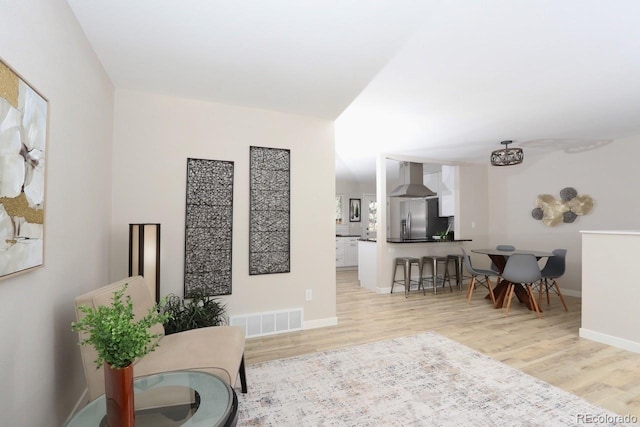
419,219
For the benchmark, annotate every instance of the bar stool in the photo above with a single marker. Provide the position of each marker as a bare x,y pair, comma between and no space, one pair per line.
406,263
457,259
434,261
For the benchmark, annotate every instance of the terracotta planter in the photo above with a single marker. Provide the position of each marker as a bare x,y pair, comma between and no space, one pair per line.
118,387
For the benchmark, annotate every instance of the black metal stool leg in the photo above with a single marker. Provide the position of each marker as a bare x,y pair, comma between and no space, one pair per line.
393,278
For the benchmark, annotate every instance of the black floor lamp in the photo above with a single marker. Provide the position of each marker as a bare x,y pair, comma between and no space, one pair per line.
144,255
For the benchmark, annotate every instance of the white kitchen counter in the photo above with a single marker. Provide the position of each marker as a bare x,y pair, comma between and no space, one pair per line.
367,272
375,268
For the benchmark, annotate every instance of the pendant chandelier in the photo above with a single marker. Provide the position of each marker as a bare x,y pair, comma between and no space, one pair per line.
507,156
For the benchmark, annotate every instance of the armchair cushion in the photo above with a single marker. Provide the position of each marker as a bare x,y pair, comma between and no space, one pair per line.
218,349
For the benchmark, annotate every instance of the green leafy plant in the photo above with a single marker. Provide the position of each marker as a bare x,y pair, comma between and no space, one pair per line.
200,311
112,331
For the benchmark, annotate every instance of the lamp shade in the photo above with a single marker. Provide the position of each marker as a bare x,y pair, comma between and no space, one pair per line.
507,156
144,255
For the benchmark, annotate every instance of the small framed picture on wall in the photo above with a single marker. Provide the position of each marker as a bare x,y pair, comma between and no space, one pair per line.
354,210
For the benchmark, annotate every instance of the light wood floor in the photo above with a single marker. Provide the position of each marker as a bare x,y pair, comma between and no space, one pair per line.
547,348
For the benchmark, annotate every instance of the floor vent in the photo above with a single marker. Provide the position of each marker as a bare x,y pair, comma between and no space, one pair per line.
273,322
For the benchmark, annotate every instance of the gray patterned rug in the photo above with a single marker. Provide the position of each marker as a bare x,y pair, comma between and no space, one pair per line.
420,380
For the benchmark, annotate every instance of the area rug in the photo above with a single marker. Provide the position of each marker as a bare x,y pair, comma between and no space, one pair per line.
419,380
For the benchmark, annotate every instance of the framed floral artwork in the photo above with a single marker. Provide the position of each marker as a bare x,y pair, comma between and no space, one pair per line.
354,210
23,144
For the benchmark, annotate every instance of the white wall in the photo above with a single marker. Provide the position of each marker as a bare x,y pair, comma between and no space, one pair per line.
153,137
472,219
40,368
609,288
608,174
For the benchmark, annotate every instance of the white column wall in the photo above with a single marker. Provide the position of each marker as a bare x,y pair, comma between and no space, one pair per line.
40,368
610,291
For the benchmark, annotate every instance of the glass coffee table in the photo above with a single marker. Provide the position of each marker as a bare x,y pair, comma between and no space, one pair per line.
180,398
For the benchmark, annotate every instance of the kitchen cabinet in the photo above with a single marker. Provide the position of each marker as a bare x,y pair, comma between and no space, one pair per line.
351,251
432,181
339,253
447,193
347,251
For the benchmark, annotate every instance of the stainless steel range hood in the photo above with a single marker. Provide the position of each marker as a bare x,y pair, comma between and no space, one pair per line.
412,185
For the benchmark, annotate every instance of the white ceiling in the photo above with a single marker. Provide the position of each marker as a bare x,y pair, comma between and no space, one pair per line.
444,79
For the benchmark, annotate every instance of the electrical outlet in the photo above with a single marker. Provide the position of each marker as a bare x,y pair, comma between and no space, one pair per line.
308,295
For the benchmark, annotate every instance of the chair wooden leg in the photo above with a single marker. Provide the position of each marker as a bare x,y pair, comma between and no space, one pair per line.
546,289
472,285
530,295
533,300
509,298
493,297
540,285
564,304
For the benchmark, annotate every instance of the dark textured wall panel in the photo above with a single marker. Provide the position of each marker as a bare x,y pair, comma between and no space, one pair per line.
208,227
269,205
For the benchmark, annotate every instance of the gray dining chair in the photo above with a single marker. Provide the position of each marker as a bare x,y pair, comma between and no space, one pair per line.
553,269
478,276
505,248
522,269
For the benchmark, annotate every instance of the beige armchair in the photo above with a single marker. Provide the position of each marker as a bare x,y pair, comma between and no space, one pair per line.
218,349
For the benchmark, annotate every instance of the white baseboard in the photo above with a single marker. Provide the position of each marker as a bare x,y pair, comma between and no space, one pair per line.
610,340
567,292
79,405
571,293
319,323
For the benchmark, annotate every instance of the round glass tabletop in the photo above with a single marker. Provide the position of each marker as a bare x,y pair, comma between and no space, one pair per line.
179,398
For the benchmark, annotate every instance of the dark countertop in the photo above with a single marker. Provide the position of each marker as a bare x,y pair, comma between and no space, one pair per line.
423,240
347,235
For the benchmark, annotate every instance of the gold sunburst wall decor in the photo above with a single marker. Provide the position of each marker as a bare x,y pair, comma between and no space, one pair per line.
571,205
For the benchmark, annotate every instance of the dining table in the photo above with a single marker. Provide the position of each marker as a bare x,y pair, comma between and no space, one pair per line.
499,258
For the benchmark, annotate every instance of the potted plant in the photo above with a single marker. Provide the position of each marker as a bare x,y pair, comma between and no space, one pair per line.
119,339
199,311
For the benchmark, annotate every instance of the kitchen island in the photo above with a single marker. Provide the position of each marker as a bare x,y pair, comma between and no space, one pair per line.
372,277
